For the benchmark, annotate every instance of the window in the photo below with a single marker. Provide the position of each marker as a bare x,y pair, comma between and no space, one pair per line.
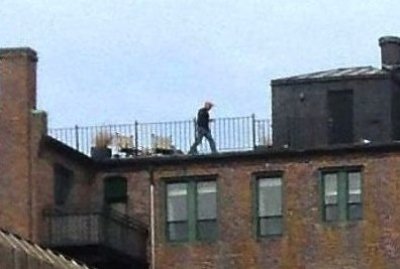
341,195
354,202
191,210
63,181
331,207
269,205
206,210
115,190
177,206
115,193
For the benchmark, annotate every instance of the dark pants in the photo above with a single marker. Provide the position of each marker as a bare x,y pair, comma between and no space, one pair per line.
202,132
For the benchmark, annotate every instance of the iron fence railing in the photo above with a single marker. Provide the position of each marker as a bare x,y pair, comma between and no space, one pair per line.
230,134
77,227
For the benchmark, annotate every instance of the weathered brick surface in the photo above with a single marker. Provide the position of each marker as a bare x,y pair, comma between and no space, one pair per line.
26,188
138,204
17,98
82,195
307,242
26,168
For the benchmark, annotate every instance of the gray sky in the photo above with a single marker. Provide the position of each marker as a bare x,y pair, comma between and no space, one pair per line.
114,61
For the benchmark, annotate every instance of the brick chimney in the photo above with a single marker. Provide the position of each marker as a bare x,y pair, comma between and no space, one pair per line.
390,52
18,78
17,100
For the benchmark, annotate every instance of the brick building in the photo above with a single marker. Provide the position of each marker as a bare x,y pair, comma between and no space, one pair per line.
47,196
303,204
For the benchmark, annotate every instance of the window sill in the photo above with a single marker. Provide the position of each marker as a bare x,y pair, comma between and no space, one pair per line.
191,243
340,224
272,237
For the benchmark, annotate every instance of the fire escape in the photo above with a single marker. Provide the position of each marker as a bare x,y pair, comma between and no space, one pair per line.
102,238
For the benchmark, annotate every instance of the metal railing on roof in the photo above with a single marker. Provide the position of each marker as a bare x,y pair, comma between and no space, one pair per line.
230,134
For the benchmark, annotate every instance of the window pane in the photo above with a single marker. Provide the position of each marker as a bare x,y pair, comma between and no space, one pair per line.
178,231
115,190
354,187
270,226
119,207
331,212
207,229
63,182
206,200
269,197
177,202
330,188
355,211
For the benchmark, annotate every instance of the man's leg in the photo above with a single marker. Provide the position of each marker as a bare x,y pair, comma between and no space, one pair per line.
211,142
193,148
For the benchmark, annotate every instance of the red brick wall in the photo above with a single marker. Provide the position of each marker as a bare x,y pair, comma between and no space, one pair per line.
26,169
82,194
307,242
17,98
26,188
138,185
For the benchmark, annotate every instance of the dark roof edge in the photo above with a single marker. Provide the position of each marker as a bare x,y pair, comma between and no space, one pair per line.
19,52
292,81
49,142
261,153
389,39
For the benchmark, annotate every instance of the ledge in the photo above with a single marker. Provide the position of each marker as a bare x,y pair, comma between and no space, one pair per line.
293,81
18,52
389,39
258,154
59,147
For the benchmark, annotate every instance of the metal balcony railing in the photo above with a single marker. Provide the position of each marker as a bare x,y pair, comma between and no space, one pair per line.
74,227
230,134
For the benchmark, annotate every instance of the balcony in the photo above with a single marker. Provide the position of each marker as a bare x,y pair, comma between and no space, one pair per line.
163,138
102,238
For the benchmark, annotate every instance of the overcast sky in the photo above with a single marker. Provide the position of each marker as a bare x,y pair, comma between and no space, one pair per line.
116,61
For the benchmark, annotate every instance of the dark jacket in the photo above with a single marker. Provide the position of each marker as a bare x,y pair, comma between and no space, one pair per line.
203,118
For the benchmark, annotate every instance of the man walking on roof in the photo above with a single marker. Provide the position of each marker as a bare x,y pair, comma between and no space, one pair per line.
203,129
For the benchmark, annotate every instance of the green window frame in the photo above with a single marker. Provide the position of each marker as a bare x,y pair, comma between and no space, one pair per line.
63,183
268,205
341,194
115,190
177,222
191,210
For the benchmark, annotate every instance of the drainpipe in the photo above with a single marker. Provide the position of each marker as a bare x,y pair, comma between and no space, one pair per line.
152,220
30,183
